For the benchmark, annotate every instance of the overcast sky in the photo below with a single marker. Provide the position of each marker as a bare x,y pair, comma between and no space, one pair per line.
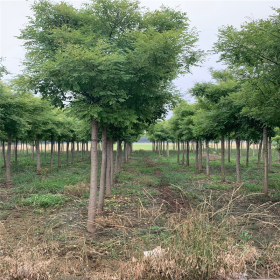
206,16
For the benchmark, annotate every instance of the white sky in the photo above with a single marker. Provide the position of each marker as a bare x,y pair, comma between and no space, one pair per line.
206,16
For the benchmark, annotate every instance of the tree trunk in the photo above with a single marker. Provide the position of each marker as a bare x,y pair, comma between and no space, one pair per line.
108,166
228,149
52,151
223,172
207,158
103,170
196,154
167,149
238,174
77,158
183,152
4,153
72,152
16,150
33,150
8,163
278,156
26,148
38,154
109,191
83,149
247,152
241,149
159,148
265,163
91,226
153,146
59,154
188,154
269,154
178,151
253,149
118,157
67,152
200,169
260,154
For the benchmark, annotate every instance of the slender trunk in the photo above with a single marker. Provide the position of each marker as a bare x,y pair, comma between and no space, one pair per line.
178,151
200,169
228,149
153,146
167,149
159,151
16,150
87,148
4,153
269,154
72,152
118,157
8,163
260,154
196,154
278,156
253,149
83,149
59,154
241,149
108,166
109,191
103,170
26,148
77,159
265,154
207,157
223,172
32,149
45,148
38,154
247,152
67,153
173,146
183,152
188,154
91,226
238,174
52,151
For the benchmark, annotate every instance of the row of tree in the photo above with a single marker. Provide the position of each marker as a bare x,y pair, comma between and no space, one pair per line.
219,114
112,63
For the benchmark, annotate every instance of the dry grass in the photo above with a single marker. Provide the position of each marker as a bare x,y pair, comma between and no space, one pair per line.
76,190
203,243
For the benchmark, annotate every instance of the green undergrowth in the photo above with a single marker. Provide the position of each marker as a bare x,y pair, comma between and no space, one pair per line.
207,228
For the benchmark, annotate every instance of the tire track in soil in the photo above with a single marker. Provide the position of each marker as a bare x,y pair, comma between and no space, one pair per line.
171,198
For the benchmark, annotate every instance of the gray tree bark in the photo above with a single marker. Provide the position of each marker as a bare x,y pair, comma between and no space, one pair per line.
238,174
188,154
59,154
91,226
247,152
260,154
103,170
38,154
52,151
265,154
200,168
223,172
8,163
207,158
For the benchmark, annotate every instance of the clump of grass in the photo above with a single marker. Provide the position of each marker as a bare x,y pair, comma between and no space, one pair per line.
44,200
76,190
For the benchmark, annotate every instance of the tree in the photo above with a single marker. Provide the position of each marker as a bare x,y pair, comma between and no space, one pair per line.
120,57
